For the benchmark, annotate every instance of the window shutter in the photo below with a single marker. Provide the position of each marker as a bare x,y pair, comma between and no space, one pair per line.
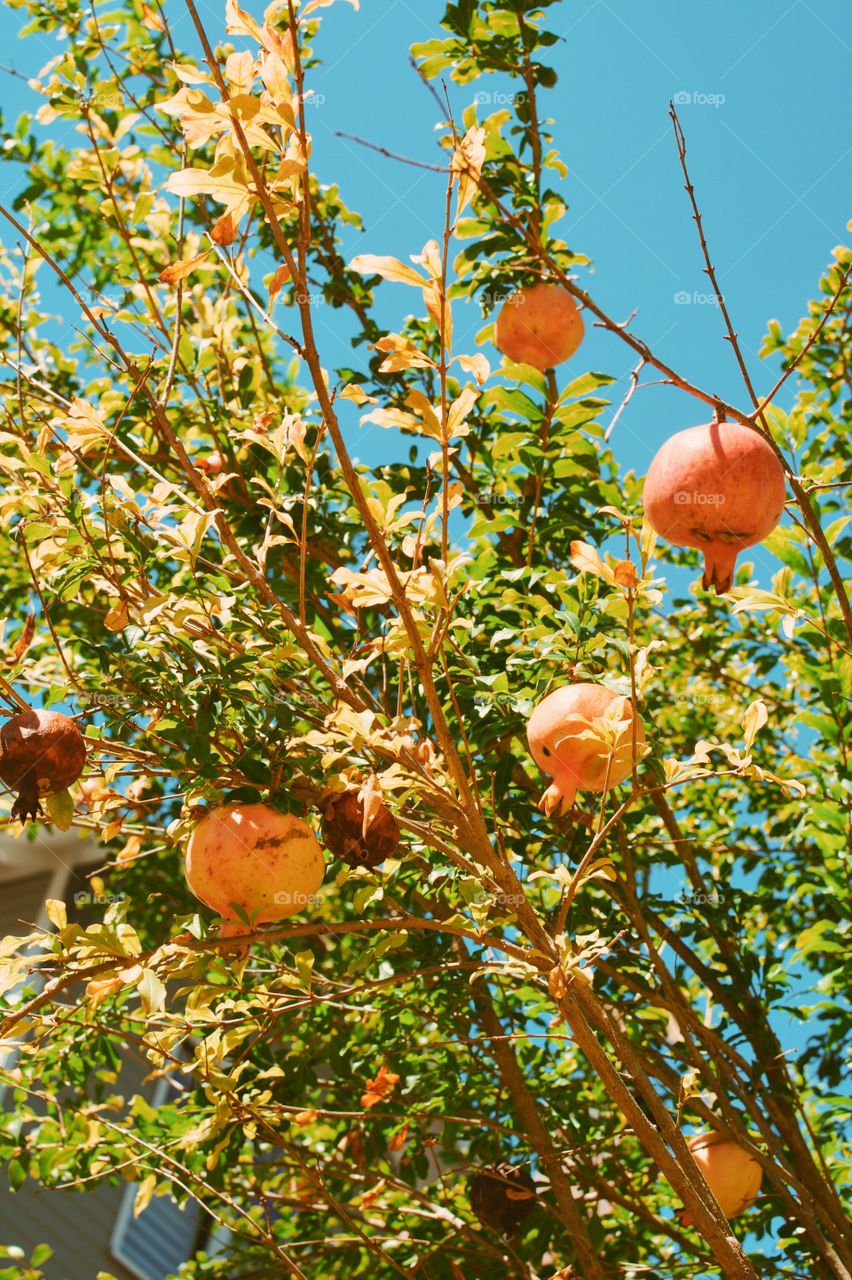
154,1245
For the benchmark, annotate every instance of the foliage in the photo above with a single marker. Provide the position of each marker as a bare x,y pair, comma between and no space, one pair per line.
195,567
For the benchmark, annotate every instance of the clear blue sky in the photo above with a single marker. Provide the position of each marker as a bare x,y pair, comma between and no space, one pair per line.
768,137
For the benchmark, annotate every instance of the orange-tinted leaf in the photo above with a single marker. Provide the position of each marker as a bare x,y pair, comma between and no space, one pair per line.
625,575
180,270
380,1088
224,231
152,19
25,638
279,278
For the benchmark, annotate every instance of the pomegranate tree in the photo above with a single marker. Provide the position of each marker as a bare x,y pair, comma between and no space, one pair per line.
541,326
718,487
250,860
41,753
730,1172
583,736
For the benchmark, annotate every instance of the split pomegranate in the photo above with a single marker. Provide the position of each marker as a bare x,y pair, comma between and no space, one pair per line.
541,326
360,834
502,1197
41,753
251,859
718,487
582,736
730,1172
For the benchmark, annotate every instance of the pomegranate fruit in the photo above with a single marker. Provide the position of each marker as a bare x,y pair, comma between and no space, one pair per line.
360,834
502,1197
41,753
582,736
730,1172
252,859
541,326
718,487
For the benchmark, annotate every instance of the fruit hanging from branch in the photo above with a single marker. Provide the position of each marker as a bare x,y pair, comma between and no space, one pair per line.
730,1172
502,1197
541,326
250,860
41,753
357,825
718,487
583,736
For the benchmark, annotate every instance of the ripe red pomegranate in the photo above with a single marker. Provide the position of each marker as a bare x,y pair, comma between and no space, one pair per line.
541,326
360,834
250,856
730,1172
718,487
41,753
502,1197
568,738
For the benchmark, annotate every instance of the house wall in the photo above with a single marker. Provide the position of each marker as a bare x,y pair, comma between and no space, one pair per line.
76,1224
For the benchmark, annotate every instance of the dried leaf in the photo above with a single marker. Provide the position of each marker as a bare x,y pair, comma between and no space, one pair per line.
279,278
625,575
25,639
755,717
152,19
380,1088
371,264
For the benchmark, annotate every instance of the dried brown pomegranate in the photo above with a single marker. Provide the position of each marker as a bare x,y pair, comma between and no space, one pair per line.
41,753
358,827
502,1197
718,487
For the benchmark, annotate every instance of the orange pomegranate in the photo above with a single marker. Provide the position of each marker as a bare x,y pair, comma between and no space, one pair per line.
252,859
730,1172
41,753
718,487
582,735
541,326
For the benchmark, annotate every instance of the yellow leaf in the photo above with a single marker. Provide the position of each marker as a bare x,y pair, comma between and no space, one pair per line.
56,913
467,162
118,617
144,1194
587,560
240,23
370,264
477,365
755,717
152,992
459,410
